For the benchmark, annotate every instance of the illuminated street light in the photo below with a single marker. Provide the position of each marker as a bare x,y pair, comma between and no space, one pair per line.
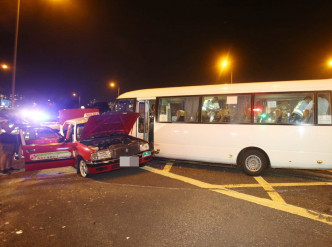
223,64
113,85
4,66
330,63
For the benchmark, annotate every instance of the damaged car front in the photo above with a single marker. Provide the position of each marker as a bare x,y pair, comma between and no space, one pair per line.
104,144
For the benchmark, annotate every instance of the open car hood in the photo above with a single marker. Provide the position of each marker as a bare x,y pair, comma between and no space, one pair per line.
108,124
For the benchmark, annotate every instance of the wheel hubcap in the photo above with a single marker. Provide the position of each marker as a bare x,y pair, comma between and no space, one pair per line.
253,163
83,168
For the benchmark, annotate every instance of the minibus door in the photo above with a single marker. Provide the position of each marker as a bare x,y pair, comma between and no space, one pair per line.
145,121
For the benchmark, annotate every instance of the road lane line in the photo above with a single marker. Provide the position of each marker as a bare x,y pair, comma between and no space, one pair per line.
279,185
281,206
269,189
168,167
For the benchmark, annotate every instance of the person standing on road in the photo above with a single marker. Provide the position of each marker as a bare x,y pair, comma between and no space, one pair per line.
7,147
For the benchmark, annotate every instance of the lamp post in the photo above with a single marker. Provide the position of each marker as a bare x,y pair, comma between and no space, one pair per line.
79,99
15,53
113,84
223,64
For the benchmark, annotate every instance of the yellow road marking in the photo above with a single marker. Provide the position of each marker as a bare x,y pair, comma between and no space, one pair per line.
277,185
269,189
168,167
281,206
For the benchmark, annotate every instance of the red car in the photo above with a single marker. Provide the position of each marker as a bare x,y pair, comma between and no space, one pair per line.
93,145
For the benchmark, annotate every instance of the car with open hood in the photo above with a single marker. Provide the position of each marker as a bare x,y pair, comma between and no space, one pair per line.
94,145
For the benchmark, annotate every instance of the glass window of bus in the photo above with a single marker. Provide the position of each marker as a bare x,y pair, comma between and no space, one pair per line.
125,105
178,109
226,109
239,107
284,108
324,108
212,108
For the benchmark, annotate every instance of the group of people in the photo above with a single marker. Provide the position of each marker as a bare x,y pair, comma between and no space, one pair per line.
215,110
8,143
302,113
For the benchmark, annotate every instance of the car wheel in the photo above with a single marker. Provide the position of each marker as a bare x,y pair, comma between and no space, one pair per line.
82,168
253,162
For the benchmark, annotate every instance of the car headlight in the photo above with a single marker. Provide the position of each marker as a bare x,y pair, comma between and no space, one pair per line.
144,147
94,156
104,154
101,155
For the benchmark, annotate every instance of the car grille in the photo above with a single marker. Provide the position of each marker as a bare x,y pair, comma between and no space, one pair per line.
124,150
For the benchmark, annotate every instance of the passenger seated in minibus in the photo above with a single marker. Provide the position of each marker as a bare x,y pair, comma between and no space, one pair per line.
224,116
179,116
278,115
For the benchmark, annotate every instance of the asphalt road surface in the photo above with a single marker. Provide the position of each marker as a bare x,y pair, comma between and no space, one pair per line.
166,203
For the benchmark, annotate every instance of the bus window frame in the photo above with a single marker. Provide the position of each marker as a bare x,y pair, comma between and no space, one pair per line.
253,97
291,92
199,106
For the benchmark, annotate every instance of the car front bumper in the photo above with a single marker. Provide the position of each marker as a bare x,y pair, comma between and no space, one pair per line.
101,166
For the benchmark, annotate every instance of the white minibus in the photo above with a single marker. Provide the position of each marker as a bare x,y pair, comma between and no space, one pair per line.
281,124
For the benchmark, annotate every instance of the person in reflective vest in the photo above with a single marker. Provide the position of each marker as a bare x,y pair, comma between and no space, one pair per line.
298,112
211,107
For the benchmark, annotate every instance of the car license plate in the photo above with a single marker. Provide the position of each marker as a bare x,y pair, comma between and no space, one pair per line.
146,154
129,161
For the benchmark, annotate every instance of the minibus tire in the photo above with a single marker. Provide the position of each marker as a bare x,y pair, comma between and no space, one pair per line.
82,168
253,162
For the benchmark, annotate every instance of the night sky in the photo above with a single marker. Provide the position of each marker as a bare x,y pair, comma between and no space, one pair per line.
80,45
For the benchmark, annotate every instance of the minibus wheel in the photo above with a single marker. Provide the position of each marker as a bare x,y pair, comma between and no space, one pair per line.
82,168
253,162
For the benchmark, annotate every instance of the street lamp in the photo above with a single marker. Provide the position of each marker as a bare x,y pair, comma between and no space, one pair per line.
330,63
4,66
79,99
224,64
113,84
